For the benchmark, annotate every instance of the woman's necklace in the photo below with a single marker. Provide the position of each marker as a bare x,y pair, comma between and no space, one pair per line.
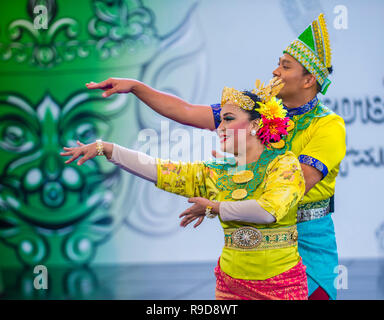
241,177
242,183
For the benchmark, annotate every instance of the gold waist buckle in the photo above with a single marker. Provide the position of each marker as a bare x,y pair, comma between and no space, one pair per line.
252,239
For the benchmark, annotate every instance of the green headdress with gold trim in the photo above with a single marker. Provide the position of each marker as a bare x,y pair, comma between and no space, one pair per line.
312,49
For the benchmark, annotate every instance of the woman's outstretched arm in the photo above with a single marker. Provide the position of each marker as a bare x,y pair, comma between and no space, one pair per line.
144,166
168,105
135,162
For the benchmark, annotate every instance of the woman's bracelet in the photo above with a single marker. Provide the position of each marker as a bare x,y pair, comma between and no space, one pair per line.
99,147
208,212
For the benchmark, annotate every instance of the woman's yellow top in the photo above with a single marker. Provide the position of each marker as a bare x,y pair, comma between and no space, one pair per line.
281,188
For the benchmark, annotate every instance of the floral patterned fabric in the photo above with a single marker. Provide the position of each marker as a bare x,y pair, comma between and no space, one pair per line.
279,193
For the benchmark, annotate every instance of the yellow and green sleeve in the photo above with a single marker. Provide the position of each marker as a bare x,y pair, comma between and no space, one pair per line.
186,179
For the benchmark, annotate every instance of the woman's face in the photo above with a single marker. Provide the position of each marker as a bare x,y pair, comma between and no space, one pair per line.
234,129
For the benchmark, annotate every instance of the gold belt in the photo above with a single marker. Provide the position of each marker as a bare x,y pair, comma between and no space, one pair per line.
252,239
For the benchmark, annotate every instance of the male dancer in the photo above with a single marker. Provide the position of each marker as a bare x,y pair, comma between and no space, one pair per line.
317,137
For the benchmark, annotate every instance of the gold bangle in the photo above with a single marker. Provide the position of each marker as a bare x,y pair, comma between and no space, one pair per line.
208,212
99,147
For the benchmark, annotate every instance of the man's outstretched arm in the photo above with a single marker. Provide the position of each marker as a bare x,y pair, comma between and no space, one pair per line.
168,105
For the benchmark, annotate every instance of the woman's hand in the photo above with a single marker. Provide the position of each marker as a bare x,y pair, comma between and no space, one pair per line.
197,211
88,151
113,85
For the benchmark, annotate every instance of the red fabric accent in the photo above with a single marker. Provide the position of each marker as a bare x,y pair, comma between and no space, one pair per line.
289,285
319,294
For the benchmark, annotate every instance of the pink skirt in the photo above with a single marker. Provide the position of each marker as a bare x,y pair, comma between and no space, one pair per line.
289,285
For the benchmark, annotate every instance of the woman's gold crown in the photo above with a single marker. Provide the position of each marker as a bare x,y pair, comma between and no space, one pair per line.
265,93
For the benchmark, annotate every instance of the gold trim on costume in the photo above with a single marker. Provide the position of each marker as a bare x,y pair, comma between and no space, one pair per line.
252,239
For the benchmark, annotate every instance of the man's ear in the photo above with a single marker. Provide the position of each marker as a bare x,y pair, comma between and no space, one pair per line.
309,81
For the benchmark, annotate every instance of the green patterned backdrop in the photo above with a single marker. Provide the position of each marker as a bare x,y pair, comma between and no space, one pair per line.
52,213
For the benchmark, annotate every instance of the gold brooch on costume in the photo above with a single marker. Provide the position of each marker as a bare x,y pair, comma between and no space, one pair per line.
240,178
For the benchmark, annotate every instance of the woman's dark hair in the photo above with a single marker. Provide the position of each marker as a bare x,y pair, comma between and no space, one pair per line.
305,72
253,114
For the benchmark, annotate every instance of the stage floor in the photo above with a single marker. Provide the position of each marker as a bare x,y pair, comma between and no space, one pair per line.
162,282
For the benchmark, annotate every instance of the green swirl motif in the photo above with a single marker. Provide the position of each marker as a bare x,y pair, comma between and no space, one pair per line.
117,27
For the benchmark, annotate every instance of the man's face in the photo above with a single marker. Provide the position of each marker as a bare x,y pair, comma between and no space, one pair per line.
292,73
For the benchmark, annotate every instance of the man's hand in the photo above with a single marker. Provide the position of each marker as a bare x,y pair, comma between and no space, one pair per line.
113,85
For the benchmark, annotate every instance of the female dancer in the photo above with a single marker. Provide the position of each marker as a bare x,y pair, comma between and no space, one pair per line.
260,259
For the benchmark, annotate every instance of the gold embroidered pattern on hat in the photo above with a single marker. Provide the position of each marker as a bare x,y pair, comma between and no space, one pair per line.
312,49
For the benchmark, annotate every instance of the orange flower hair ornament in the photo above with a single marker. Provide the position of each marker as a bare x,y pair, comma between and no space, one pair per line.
274,122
